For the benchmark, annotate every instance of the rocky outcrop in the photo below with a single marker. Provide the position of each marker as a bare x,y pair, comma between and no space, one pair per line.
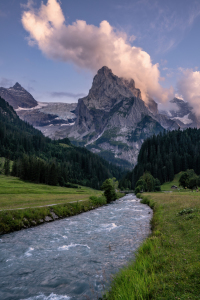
17,97
182,113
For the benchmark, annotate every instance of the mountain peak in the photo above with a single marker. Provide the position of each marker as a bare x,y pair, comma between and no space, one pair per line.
108,89
17,86
104,70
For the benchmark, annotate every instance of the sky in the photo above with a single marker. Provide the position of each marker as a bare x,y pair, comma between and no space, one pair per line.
54,48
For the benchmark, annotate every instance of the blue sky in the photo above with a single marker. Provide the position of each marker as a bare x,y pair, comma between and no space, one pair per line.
168,31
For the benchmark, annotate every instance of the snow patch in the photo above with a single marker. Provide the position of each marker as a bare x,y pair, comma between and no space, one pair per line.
185,119
40,105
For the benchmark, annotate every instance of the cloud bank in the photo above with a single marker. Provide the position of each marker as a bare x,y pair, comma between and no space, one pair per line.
66,94
189,87
91,47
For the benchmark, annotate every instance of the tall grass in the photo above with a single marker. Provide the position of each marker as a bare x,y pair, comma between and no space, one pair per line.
167,265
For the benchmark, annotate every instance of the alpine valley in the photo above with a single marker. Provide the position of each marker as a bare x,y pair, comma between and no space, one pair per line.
112,121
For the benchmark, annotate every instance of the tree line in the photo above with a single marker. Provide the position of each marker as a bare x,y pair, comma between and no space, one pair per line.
165,155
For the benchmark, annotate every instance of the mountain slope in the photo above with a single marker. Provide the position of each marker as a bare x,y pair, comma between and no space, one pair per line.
21,142
167,154
17,96
183,114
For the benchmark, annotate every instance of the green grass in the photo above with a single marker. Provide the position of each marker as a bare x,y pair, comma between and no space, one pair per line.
167,185
167,265
15,193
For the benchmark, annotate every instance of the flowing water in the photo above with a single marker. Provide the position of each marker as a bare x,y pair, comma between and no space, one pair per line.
72,258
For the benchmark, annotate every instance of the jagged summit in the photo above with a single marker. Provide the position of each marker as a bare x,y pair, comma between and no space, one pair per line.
113,120
108,90
104,70
17,86
17,97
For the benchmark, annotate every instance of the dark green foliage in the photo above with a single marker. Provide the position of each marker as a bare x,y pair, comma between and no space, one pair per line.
41,160
189,180
98,200
109,186
186,211
6,167
183,181
167,154
147,183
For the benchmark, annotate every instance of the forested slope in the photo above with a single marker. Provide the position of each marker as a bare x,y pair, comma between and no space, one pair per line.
167,154
39,159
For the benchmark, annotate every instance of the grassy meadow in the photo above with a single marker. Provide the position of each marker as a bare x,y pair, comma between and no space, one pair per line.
15,193
24,204
167,265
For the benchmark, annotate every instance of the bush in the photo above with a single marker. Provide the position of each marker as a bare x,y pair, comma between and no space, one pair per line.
147,183
98,200
109,186
189,180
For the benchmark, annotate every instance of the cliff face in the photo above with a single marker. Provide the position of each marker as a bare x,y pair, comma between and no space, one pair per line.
113,120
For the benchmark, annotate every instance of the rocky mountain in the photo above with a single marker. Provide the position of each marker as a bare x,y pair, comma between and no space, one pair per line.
113,120
182,113
47,117
17,96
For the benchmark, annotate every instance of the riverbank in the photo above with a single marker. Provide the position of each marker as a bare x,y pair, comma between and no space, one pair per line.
13,220
167,265
24,204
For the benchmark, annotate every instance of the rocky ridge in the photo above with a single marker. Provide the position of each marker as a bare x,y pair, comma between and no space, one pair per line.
17,96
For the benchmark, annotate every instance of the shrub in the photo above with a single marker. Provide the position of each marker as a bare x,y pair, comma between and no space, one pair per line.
109,186
98,200
147,183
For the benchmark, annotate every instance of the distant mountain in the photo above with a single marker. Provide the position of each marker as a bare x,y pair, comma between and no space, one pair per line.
183,114
47,117
17,96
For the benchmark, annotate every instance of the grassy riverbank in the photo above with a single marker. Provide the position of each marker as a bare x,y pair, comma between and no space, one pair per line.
167,265
20,201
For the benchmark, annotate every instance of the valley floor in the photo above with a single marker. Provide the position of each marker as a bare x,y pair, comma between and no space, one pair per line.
24,204
167,265
16,193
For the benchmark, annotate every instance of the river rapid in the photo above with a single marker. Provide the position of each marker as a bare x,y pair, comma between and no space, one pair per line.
72,258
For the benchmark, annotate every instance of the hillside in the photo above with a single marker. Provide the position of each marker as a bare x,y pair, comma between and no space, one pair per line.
167,154
40,159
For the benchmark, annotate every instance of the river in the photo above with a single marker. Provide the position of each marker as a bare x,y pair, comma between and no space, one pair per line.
72,258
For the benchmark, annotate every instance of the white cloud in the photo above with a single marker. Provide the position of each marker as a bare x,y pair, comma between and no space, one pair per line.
91,47
189,87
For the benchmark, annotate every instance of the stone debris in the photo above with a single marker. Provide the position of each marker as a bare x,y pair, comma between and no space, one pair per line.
54,216
48,219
